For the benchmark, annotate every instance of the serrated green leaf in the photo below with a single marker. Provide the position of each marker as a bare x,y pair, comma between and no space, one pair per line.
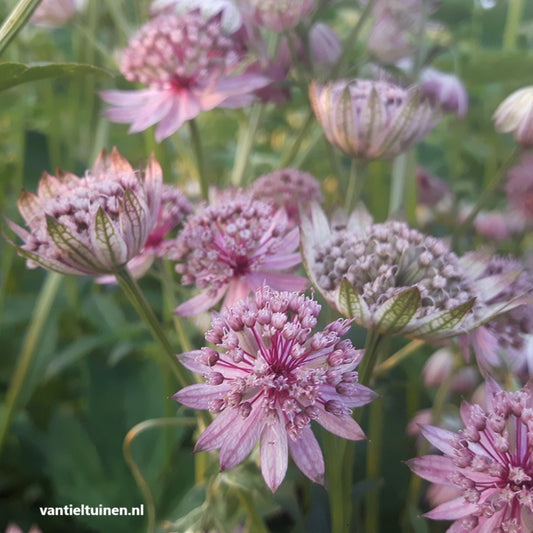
443,324
396,313
12,74
350,304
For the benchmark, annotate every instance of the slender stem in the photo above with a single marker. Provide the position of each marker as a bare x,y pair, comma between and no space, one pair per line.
132,434
197,147
24,362
398,357
398,183
15,21
137,299
515,9
373,453
247,500
289,156
486,195
370,358
246,142
355,184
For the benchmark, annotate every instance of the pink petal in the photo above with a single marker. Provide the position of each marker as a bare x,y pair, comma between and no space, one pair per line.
214,435
152,111
185,106
307,455
281,261
440,438
200,395
274,454
242,436
452,510
345,426
434,468
200,303
192,361
237,290
277,280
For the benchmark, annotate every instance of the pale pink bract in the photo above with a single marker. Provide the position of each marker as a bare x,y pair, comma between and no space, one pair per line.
270,377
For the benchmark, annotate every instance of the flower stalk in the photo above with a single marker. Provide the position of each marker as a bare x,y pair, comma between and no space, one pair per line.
16,21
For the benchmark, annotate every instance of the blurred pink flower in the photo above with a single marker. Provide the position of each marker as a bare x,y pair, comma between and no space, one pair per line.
279,15
519,186
515,115
55,13
270,378
190,64
431,190
325,46
232,247
488,462
288,188
371,119
90,225
13,528
444,90
499,225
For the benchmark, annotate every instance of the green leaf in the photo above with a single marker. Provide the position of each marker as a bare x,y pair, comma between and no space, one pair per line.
443,325
396,312
12,74
350,304
110,247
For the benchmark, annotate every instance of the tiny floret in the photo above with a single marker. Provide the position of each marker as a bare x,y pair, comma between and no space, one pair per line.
271,379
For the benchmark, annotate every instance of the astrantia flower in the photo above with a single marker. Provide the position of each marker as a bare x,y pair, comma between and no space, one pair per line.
172,210
488,463
444,90
190,64
504,341
279,15
288,188
397,280
515,114
232,247
519,187
270,378
371,119
90,225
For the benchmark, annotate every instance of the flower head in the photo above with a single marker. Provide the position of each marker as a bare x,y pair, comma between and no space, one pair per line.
393,278
371,119
269,378
232,247
515,114
279,15
90,225
505,340
190,64
444,90
325,46
288,188
488,463
519,187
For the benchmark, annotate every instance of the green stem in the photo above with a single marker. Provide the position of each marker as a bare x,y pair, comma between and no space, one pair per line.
197,147
398,184
137,299
15,21
24,362
515,9
244,147
370,358
373,452
398,357
132,434
486,195
289,156
355,184
255,519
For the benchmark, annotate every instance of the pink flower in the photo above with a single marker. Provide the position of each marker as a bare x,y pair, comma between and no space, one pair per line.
172,210
445,91
90,225
371,119
270,378
55,13
279,15
519,187
288,188
499,225
232,247
325,46
488,463
13,528
190,64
